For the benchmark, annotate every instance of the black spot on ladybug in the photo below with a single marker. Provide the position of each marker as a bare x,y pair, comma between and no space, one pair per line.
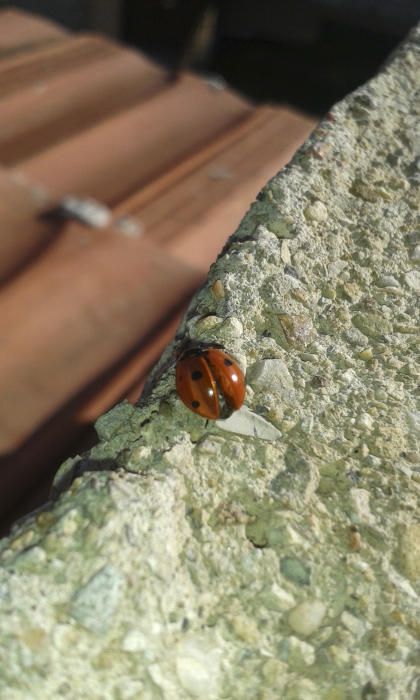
196,375
227,362
195,404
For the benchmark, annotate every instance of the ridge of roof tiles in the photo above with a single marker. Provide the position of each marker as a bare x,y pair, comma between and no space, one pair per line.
86,311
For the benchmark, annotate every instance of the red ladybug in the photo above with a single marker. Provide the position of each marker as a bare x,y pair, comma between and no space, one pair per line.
209,381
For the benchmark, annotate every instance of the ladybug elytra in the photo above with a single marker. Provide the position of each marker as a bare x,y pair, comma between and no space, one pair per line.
209,381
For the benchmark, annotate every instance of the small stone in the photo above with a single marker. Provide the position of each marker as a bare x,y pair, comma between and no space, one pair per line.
412,456
307,424
31,558
406,328
366,354
285,252
387,281
299,296
307,617
94,604
34,638
22,541
409,551
282,228
277,598
351,291
232,327
412,279
256,532
364,421
179,456
339,655
360,503
108,424
381,394
68,524
291,271
329,292
348,376
335,268
295,570
298,329
390,671
318,381
198,667
369,192
140,453
209,446
353,624
401,583
317,211
207,323
218,289
245,629
336,693
45,519
355,540
134,641
270,375
413,422
372,324
300,652
302,689
415,254
274,671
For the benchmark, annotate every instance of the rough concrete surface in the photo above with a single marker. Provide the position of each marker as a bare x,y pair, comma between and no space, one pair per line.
186,561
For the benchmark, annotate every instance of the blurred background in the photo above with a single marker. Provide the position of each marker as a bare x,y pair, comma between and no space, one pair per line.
134,135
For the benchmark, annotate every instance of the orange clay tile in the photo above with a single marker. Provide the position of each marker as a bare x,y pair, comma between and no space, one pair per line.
84,312
71,89
64,322
123,153
27,70
23,232
65,432
207,204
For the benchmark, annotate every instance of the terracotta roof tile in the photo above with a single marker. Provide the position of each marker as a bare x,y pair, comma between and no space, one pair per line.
119,155
65,431
69,318
23,232
27,70
208,203
84,312
67,88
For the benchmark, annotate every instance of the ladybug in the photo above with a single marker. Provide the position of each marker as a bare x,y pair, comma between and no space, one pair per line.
209,381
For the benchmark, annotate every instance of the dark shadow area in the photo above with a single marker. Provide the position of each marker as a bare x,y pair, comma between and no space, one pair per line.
35,462
308,53
311,77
